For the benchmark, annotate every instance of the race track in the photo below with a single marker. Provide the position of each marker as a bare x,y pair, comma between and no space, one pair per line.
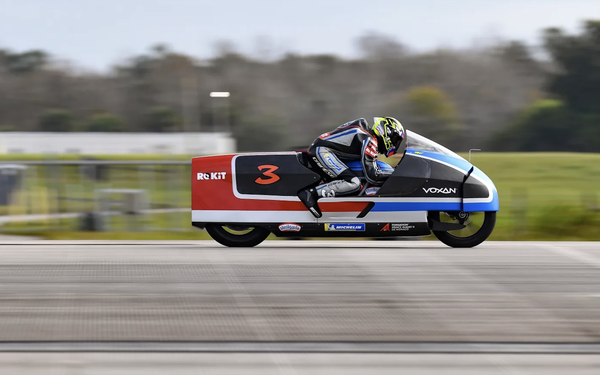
295,296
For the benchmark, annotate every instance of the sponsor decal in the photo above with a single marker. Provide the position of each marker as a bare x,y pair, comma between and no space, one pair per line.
211,176
331,162
397,227
290,227
267,171
434,190
324,135
371,149
402,227
372,190
345,227
329,173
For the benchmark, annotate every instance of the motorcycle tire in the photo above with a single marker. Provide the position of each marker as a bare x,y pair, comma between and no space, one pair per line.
471,241
221,235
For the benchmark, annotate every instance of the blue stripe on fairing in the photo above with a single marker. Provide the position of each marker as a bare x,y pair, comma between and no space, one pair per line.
457,162
435,206
415,206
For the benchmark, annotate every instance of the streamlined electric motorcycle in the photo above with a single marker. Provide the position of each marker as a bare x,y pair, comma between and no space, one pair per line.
240,199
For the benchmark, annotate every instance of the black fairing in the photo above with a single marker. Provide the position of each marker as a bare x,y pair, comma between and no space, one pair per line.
474,188
293,176
410,174
418,177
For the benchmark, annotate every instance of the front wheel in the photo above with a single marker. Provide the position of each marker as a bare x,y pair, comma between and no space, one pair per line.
478,227
237,236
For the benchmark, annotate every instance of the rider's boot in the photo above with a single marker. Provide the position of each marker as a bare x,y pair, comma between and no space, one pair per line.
309,197
329,190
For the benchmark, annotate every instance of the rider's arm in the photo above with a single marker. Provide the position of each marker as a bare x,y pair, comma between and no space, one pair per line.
373,173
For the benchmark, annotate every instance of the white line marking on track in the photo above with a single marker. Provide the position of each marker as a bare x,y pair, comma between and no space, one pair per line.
244,300
573,254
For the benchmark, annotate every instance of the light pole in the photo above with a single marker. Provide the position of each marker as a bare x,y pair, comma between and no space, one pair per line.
220,94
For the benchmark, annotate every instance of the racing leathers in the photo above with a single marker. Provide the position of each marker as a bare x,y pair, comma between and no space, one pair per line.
348,142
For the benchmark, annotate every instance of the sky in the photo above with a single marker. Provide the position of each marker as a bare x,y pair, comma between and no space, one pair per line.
97,33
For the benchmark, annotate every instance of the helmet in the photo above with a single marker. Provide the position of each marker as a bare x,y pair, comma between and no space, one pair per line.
390,134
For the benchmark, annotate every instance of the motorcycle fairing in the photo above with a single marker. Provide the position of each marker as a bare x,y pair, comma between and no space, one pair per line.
478,192
424,181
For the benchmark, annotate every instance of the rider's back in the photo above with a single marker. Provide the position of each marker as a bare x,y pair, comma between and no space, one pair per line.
346,141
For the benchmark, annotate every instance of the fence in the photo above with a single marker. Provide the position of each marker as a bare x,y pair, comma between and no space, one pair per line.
92,195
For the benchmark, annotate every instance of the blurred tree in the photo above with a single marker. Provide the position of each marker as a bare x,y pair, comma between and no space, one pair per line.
57,120
137,88
308,93
577,79
162,119
548,125
590,133
264,133
105,122
24,62
3,54
377,46
519,55
429,111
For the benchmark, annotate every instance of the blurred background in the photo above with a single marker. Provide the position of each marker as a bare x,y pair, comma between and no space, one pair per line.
103,103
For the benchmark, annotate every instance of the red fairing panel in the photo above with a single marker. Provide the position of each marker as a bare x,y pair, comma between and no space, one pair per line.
212,189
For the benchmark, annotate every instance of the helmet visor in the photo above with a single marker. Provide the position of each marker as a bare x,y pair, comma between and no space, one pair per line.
395,140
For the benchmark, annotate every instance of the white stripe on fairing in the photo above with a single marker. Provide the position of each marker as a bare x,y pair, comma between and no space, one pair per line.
390,200
365,199
217,216
376,217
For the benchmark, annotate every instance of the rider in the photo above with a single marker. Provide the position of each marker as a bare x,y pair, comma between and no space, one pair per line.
354,140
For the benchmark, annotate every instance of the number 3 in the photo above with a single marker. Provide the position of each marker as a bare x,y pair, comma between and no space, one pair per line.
269,173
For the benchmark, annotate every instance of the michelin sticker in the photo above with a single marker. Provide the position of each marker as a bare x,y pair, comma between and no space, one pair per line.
289,227
345,227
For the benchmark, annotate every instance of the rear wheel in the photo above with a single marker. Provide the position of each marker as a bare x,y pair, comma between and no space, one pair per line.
478,227
237,236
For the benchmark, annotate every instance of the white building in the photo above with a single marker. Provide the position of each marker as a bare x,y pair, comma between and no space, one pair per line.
116,143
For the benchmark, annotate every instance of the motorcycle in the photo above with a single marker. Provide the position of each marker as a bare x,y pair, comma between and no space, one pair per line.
240,199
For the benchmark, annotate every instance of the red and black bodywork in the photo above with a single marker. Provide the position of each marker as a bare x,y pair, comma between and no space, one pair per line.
258,192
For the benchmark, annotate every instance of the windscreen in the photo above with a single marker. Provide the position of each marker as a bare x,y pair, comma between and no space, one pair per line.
418,142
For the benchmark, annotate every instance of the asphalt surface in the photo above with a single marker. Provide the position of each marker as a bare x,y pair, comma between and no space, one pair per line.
294,364
316,297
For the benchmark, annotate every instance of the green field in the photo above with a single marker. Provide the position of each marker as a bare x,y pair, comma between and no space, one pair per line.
543,196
